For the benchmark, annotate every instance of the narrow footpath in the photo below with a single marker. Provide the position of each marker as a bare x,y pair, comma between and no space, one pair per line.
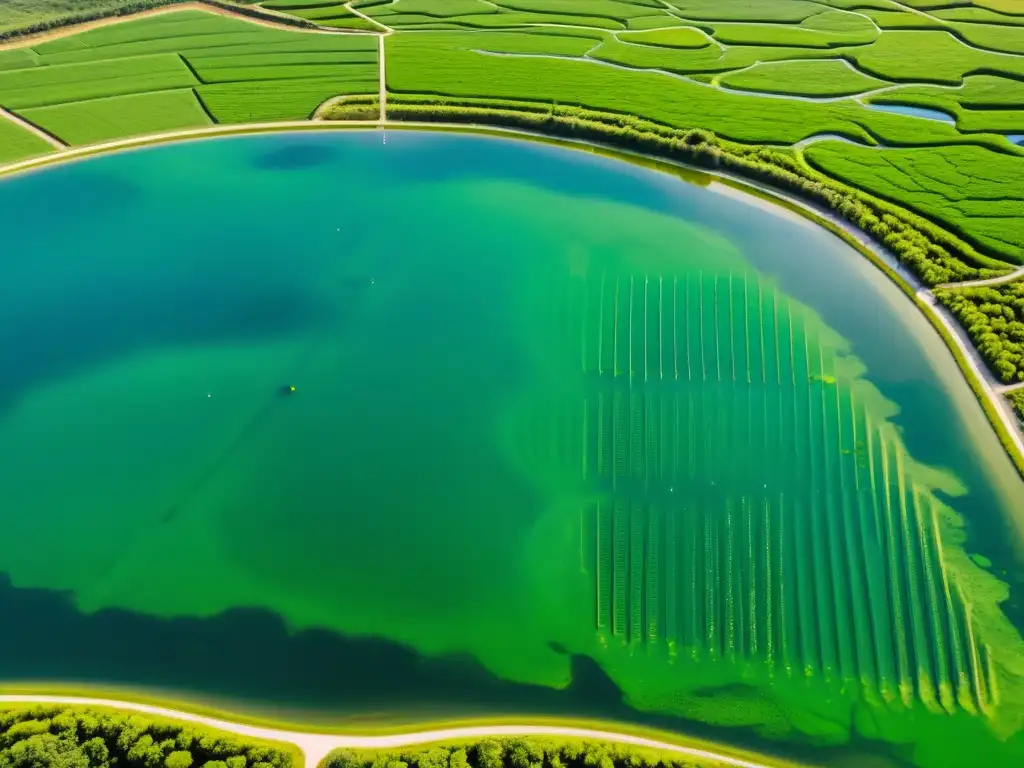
385,31
316,746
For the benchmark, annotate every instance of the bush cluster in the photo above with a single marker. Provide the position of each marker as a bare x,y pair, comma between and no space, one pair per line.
60,737
1017,401
994,319
933,255
518,752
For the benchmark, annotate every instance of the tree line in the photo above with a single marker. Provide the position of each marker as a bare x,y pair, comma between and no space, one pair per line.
62,737
517,752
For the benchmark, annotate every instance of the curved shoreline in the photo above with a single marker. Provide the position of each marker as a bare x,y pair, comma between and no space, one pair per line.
987,390
316,746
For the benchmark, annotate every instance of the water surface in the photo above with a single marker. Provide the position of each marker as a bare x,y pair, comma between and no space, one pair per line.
906,109
568,436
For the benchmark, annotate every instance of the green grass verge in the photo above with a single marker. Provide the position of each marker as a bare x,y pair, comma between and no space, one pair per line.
18,143
55,736
90,122
975,192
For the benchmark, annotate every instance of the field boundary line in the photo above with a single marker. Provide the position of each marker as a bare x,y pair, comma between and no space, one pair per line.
49,138
316,746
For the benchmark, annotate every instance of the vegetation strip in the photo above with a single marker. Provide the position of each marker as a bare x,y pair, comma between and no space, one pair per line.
58,736
317,746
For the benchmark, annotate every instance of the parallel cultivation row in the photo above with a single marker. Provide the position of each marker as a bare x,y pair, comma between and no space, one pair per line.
848,580
745,574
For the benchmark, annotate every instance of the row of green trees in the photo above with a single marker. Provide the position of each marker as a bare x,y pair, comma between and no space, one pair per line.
934,255
1017,400
517,752
994,319
106,9
61,737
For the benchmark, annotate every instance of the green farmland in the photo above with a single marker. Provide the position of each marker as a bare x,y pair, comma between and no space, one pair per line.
898,120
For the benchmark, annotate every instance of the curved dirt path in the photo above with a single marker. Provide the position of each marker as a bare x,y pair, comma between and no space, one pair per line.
316,746
1009,278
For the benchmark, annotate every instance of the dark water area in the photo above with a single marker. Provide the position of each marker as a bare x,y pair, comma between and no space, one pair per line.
567,437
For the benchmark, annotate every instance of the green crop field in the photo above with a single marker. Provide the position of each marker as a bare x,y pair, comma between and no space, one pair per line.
994,316
178,70
803,78
97,120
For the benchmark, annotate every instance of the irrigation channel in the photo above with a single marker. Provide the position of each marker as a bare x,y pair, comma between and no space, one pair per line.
568,438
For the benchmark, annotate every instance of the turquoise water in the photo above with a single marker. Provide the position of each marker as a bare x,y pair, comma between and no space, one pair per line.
904,109
568,436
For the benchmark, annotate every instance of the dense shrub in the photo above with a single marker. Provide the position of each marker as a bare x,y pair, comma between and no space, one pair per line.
61,737
1017,400
518,752
994,319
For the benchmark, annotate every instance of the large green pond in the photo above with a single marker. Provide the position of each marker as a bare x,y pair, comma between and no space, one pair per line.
569,437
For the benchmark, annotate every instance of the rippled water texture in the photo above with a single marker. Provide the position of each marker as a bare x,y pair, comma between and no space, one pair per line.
568,436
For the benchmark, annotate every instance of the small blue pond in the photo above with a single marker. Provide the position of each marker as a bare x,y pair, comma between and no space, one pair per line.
904,109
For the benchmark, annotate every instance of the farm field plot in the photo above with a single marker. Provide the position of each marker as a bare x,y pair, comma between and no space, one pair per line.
803,78
18,143
179,70
977,195
97,120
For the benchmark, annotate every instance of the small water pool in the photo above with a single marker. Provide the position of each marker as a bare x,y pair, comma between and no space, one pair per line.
906,109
